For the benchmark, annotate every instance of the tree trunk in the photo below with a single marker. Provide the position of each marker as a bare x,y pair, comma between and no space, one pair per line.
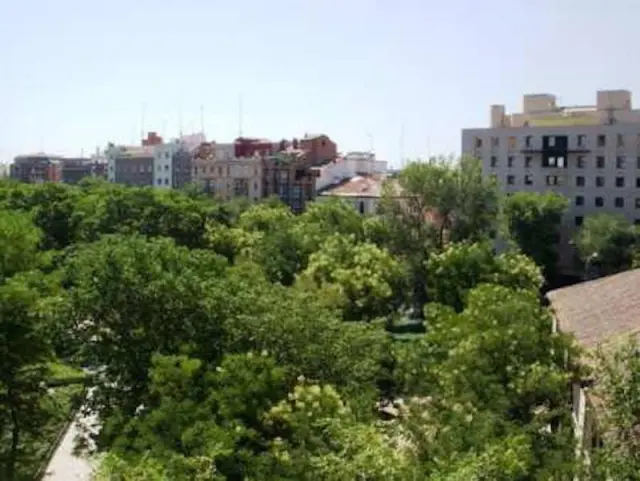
15,441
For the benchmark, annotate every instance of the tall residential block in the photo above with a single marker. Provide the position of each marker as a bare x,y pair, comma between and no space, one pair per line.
588,153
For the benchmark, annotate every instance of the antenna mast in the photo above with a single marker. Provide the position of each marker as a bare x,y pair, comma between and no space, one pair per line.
143,108
402,146
240,116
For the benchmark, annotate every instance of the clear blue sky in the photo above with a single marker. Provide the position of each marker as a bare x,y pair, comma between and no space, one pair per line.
75,73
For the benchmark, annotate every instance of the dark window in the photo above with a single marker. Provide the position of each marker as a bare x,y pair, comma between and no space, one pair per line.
478,142
638,182
166,181
637,202
553,180
361,207
510,161
580,181
620,162
159,181
527,161
579,200
300,173
602,140
527,141
511,179
495,141
580,162
494,161
578,220
581,139
619,202
599,181
600,162
528,179
638,162
619,181
620,140
599,201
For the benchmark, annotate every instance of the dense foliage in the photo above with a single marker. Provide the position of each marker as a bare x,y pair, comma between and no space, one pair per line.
236,341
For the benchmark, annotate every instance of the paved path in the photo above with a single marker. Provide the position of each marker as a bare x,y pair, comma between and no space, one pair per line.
64,466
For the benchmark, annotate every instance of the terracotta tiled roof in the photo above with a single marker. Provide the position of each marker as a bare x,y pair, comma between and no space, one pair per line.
601,310
358,186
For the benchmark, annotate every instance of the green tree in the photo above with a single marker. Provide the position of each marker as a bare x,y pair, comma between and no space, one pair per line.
617,413
20,239
532,221
364,279
452,273
430,204
24,349
606,242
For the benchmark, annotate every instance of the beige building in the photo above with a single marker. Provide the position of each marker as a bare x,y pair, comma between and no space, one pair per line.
216,168
588,153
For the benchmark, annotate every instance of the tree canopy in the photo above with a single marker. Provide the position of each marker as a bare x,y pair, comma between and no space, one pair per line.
238,341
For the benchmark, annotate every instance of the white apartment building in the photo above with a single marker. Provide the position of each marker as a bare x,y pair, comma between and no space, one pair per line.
348,166
590,154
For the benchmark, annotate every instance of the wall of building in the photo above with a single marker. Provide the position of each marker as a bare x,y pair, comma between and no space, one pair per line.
518,166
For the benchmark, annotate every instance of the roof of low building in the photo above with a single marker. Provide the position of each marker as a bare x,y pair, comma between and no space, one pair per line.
601,310
358,186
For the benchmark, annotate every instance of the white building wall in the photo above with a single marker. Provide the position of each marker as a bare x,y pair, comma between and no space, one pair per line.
352,164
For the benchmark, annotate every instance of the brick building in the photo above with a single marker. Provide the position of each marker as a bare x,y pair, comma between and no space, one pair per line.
36,168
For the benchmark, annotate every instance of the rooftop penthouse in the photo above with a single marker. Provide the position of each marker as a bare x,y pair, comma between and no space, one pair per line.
542,110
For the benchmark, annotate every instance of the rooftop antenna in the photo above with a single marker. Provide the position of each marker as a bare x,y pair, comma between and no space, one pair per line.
143,109
402,146
240,116
370,136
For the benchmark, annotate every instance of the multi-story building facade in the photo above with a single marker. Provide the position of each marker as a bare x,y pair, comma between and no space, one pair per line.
156,163
36,168
73,170
219,170
589,154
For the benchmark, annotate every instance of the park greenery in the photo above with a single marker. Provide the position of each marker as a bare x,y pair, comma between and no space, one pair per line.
238,341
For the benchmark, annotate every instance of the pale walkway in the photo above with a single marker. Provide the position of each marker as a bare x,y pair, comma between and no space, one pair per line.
64,465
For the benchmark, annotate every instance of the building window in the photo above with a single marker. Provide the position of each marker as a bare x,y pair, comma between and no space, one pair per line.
578,220
512,142
638,163
602,140
159,181
553,180
511,179
638,182
619,202
579,200
494,161
600,162
478,142
495,141
580,181
619,181
637,202
527,161
528,179
166,167
581,139
620,140
527,141
166,155
620,162
599,201
599,181
361,207
166,181
510,161
580,162
552,141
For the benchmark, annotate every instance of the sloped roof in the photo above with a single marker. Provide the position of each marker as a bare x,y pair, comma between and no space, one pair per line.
601,310
358,186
